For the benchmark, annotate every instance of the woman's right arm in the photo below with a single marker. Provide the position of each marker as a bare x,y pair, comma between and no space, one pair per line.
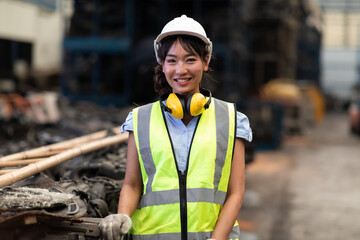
132,188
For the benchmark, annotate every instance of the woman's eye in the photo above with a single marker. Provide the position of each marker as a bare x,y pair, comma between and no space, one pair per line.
191,60
170,60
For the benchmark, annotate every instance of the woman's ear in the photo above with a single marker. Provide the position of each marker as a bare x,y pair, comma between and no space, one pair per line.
206,64
206,67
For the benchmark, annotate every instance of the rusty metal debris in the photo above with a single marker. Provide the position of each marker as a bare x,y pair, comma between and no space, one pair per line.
23,198
93,179
40,108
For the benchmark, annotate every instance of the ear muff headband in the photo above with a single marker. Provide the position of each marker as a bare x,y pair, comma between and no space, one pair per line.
195,105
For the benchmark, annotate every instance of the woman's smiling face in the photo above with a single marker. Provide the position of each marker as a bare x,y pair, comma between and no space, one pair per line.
183,70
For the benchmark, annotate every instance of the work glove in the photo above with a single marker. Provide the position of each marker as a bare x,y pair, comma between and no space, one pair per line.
114,226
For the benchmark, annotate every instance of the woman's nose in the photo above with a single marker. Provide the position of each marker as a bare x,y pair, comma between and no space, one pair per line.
180,68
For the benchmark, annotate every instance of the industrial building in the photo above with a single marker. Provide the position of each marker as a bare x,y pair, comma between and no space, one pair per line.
71,70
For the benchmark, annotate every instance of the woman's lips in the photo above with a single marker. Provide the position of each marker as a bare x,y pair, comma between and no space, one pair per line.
182,80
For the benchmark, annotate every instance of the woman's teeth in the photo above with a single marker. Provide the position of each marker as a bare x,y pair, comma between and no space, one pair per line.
182,80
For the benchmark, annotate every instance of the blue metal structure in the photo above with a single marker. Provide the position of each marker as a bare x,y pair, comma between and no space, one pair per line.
267,119
100,49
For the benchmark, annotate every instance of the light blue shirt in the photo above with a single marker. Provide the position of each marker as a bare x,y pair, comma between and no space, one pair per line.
181,135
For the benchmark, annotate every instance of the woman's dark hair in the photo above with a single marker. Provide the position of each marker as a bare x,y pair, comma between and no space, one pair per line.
190,44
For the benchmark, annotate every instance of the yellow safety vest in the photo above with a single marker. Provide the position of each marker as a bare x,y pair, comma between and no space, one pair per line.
177,205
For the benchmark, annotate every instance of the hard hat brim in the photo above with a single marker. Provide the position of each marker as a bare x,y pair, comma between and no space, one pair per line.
164,35
172,33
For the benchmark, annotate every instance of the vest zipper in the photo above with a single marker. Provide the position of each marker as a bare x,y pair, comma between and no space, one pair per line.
182,182
183,205
183,197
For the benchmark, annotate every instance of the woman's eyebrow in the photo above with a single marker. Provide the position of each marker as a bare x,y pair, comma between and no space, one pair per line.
187,55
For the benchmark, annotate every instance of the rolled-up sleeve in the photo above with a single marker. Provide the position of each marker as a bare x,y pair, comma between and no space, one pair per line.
243,129
128,124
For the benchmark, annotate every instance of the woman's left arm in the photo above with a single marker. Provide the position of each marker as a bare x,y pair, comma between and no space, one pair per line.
235,194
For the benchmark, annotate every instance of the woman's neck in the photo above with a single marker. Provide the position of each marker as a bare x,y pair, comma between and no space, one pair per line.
187,119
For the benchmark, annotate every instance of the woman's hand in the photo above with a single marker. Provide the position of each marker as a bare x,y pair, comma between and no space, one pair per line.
114,226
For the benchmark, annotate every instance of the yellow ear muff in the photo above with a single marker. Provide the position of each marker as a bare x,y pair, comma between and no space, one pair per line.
176,105
195,104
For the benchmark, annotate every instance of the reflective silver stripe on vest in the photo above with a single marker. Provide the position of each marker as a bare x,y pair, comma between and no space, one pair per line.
222,135
172,236
159,198
234,235
206,195
144,143
161,236
193,195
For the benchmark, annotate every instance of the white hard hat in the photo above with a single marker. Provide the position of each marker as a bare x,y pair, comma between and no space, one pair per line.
185,26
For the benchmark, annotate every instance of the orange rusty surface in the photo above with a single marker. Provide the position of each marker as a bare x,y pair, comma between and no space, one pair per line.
249,226
269,163
274,161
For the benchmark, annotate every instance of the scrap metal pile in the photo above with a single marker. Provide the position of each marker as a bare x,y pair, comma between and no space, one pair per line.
34,108
58,180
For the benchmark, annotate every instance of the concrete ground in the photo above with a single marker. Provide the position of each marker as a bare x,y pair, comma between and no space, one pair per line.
306,190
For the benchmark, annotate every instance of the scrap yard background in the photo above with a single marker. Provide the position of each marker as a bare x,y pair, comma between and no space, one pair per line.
72,68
